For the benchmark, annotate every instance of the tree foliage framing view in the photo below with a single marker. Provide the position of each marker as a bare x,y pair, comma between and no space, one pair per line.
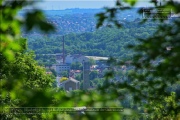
153,88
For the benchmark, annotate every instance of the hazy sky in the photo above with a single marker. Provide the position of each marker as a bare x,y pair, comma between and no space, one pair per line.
65,4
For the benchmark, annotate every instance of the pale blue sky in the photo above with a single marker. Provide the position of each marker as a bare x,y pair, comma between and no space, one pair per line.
65,4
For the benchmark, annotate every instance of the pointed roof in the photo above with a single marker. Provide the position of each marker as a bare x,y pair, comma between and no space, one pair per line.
70,79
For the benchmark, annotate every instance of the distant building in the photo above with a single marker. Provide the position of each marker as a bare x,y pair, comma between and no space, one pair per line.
74,73
80,58
69,59
75,58
70,84
59,68
97,58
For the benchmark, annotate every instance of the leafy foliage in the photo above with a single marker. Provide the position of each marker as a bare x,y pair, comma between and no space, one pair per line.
63,79
157,68
10,26
25,84
151,84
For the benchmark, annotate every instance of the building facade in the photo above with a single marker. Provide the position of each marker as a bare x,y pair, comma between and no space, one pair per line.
59,68
70,84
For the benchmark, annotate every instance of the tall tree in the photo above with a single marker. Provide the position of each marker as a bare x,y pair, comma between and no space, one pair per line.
156,63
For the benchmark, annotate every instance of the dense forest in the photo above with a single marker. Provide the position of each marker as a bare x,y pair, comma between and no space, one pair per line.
96,43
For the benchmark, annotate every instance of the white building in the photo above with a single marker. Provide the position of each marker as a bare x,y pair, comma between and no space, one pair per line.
75,58
59,68
69,59
97,58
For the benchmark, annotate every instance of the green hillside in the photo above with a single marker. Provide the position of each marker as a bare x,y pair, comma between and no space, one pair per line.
106,41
